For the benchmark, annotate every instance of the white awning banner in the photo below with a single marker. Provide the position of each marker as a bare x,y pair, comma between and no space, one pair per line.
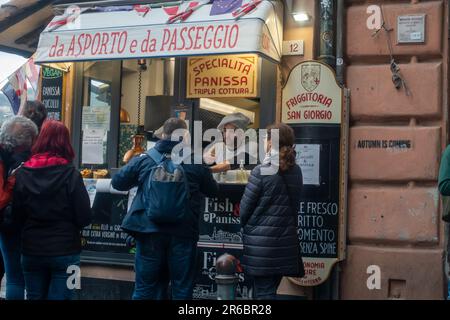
129,34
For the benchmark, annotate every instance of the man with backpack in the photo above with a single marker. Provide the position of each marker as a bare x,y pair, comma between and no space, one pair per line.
164,215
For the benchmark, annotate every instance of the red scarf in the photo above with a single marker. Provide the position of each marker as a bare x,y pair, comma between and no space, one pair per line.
45,160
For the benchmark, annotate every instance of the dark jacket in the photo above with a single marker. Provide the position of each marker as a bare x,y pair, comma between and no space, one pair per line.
6,188
52,205
271,244
135,173
8,162
444,173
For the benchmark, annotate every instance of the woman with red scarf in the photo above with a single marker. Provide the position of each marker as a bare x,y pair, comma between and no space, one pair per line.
52,205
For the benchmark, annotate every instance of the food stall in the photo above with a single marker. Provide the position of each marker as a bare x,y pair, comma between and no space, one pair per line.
132,67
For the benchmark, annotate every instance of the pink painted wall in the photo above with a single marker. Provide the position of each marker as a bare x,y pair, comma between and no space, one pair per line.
394,209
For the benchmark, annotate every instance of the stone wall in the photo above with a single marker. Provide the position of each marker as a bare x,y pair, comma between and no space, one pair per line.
396,141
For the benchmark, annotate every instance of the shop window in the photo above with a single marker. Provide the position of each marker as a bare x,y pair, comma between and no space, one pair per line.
212,111
147,93
99,93
96,114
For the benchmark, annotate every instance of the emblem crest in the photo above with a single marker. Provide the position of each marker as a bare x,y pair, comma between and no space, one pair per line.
310,76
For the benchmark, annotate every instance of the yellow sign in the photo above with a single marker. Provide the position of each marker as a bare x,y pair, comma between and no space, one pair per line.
317,271
223,76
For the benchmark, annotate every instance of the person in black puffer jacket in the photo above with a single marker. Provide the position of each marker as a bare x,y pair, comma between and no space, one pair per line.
269,209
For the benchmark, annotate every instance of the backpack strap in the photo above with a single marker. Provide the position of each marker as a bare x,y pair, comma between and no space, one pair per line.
156,155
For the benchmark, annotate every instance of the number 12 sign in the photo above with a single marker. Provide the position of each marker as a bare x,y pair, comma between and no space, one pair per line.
293,48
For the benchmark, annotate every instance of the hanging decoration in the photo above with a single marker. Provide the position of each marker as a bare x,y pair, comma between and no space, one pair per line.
139,137
397,79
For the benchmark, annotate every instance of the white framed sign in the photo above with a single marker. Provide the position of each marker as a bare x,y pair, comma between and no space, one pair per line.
293,48
411,29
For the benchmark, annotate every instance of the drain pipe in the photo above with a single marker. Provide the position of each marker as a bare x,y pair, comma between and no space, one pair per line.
340,75
327,33
340,65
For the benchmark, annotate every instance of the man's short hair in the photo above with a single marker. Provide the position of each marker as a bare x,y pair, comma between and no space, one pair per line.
173,124
35,111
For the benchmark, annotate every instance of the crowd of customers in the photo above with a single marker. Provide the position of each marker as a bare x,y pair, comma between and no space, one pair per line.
44,206
43,203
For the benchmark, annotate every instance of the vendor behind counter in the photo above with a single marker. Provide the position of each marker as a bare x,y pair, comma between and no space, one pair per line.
227,155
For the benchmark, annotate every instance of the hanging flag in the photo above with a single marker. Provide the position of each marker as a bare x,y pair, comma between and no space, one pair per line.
59,22
182,16
171,11
142,9
246,8
69,16
32,73
13,98
224,6
18,81
109,9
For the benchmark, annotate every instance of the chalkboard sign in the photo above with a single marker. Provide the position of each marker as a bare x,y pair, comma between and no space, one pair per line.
104,238
52,92
319,212
104,233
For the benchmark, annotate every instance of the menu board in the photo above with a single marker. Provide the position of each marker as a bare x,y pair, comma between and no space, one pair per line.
109,207
319,215
52,92
318,228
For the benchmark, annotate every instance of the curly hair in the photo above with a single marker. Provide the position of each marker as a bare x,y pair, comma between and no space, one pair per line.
16,132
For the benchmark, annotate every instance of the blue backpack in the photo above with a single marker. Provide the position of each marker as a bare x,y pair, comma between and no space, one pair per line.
166,190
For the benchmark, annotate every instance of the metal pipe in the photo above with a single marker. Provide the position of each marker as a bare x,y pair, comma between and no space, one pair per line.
327,36
340,69
340,65
168,80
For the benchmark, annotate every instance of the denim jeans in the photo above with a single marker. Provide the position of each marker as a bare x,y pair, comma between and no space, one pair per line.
46,277
265,288
2,267
161,258
10,247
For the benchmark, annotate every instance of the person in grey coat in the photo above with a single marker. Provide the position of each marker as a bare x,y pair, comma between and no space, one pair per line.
269,211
